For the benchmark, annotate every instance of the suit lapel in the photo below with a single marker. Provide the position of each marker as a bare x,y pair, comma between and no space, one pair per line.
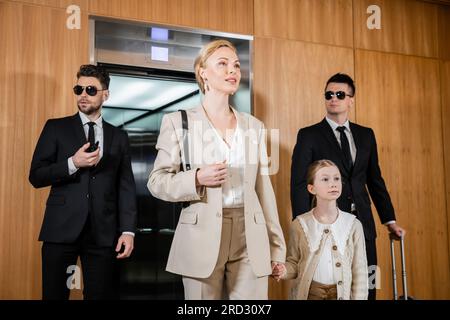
356,138
107,139
248,137
198,114
243,125
80,136
329,135
199,135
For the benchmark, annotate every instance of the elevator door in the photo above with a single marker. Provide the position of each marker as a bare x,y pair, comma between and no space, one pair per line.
137,103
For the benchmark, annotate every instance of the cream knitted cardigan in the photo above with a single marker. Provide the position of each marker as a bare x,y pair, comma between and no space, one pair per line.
351,273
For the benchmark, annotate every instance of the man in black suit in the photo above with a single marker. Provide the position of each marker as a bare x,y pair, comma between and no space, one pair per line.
91,208
354,150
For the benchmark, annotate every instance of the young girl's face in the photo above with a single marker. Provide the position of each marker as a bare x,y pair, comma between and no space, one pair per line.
327,184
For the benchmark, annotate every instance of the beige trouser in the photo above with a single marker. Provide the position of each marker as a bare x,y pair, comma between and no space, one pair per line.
233,277
319,291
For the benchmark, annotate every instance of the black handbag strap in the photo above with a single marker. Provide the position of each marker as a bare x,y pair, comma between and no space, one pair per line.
185,125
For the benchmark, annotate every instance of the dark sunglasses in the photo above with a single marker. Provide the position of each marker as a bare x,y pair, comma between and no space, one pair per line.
90,90
340,95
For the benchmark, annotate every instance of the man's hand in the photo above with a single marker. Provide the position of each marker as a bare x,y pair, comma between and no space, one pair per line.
126,240
83,159
396,231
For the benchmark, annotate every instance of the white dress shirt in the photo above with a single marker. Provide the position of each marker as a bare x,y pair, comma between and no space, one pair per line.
98,133
324,273
348,133
351,141
233,187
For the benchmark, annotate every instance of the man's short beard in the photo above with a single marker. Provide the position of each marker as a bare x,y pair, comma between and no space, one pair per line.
90,110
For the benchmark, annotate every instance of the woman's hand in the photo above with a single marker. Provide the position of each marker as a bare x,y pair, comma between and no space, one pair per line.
211,176
278,270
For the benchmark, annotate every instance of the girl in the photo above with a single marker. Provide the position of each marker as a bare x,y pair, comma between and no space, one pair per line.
326,251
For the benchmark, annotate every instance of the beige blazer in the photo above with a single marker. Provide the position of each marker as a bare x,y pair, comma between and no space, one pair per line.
195,246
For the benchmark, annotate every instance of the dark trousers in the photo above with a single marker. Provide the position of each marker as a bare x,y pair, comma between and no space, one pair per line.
98,264
371,251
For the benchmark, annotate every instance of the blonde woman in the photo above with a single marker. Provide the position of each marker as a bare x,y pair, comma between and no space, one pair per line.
228,238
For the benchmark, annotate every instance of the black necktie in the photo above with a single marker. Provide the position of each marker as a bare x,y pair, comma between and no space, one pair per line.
91,136
345,147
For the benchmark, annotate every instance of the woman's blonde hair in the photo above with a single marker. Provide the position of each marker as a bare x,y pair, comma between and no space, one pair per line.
205,53
312,171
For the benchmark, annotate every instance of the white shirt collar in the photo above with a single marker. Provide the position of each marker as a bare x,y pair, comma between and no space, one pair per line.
210,123
334,125
315,231
85,119
236,135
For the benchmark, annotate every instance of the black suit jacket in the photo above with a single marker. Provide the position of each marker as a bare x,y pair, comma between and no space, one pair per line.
319,142
106,192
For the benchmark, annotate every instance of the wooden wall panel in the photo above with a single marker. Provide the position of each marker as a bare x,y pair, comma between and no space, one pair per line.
83,4
298,45
444,32
444,2
407,26
234,16
289,80
321,21
445,100
399,97
39,60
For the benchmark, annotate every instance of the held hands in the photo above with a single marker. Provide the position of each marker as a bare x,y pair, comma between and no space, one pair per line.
83,159
127,241
278,270
396,232
212,176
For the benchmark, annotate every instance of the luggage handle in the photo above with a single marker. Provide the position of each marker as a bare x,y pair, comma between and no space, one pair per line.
393,237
